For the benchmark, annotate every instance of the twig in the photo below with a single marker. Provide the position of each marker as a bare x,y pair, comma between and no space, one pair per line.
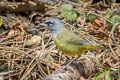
21,6
5,73
5,39
112,31
29,69
70,2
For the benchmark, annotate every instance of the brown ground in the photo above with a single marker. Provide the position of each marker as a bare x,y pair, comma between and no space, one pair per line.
27,51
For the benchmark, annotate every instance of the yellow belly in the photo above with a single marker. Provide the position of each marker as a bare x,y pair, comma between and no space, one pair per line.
71,45
69,49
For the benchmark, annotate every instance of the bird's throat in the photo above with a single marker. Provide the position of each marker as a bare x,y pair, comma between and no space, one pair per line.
55,33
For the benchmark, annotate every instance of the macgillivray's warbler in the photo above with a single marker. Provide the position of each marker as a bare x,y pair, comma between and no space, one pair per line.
68,42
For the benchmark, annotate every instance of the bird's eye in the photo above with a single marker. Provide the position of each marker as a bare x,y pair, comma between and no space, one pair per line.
49,23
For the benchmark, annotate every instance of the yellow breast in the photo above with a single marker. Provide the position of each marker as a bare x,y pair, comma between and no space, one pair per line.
61,42
71,45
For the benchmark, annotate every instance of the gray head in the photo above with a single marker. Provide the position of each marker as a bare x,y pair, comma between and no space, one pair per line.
55,26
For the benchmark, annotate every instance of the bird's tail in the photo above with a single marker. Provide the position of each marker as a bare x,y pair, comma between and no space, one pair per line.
94,46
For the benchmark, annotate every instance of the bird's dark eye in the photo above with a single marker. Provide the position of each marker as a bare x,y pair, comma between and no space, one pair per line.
49,23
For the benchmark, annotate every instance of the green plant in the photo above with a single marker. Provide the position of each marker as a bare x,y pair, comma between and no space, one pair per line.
69,13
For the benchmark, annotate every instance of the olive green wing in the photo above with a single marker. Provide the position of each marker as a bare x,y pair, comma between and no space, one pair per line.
84,44
79,41
70,38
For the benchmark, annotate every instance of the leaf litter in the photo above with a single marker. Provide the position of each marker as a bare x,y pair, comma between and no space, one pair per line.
28,52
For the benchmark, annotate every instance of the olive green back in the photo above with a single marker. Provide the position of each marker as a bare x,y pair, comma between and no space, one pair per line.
71,44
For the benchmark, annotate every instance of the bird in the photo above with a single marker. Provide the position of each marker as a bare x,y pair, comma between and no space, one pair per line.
68,42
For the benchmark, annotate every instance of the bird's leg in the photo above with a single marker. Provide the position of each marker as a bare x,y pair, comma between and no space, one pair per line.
73,60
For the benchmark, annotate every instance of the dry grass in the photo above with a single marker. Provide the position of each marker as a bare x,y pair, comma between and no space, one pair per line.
21,60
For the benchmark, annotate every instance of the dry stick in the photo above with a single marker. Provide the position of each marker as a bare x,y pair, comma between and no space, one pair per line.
84,67
5,39
19,6
43,51
58,4
70,2
26,53
51,64
5,73
11,75
60,58
48,70
13,60
111,33
30,67
41,71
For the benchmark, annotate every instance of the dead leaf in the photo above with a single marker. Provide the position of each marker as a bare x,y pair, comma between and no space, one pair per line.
13,32
36,39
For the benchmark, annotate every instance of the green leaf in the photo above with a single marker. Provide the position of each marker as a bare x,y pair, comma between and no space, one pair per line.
102,75
74,16
108,14
69,13
91,16
110,77
115,19
99,75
